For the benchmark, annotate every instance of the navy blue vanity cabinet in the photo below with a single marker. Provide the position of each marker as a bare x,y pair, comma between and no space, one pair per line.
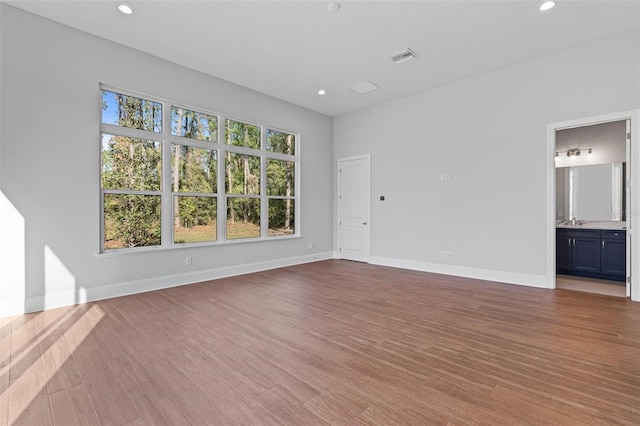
591,253
613,255
585,251
563,250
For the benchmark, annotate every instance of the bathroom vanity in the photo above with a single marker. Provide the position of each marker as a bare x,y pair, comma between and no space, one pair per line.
591,252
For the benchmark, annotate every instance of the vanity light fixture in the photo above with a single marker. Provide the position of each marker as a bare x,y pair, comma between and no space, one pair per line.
574,152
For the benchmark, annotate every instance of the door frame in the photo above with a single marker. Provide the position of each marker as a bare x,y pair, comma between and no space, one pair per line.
339,204
633,212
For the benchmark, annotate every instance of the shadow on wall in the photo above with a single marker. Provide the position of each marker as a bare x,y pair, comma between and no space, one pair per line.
12,258
31,279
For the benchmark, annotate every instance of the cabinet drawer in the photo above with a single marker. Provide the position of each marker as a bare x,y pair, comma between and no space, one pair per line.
614,235
585,233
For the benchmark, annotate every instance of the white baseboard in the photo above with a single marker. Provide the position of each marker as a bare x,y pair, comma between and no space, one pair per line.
91,294
539,281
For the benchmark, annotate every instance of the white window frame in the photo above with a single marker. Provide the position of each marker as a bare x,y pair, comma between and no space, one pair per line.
166,140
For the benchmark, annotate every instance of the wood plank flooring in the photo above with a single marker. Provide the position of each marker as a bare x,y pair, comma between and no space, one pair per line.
333,342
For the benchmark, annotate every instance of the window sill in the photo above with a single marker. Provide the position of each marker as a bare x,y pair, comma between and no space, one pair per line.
157,249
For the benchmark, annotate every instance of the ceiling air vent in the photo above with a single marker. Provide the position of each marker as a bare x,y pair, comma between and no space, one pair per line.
364,87
402,56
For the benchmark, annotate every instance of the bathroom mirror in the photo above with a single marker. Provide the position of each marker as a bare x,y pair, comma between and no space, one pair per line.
591,193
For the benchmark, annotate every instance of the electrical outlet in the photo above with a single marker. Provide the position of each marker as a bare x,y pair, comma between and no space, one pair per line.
441,253
441,177
446,176
187,260
310,246
449,254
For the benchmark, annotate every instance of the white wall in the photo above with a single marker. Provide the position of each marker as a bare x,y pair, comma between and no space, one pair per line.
49,146
489,134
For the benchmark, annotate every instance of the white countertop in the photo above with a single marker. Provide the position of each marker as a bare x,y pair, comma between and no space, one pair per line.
585,224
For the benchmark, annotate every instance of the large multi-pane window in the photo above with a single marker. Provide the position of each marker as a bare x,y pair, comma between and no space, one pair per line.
172,175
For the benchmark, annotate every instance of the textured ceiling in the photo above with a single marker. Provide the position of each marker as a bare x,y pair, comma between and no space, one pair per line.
291,49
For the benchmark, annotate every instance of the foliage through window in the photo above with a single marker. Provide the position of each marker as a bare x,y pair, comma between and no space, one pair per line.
196,125
165,185
284,143
242,134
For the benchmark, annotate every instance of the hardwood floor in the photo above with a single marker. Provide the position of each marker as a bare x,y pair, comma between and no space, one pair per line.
333,342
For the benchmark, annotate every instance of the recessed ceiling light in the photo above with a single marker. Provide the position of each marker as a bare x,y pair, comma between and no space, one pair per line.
321,92
125,9
334,7
547,5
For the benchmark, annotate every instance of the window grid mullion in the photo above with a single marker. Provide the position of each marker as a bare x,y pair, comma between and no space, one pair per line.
197,143
264,202
130,192
129,132
194,194
167,198
222,170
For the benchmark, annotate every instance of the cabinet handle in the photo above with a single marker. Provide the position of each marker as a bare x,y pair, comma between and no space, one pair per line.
569,240
574,242
603,244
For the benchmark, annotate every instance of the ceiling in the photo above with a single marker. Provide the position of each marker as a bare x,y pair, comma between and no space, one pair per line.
291,49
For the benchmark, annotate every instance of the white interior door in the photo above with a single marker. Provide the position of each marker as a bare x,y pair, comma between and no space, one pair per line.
354,195
627,188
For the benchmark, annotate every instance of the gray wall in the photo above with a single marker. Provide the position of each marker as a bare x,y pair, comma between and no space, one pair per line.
489,133
49,197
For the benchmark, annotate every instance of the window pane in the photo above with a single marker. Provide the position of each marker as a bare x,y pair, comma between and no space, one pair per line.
243,218
281,217
280,177
242,174
194,219
129,111
194,125
284,143
241,134
131,220
130,163
194,169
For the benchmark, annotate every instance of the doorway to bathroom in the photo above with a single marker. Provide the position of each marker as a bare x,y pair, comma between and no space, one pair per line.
592,203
